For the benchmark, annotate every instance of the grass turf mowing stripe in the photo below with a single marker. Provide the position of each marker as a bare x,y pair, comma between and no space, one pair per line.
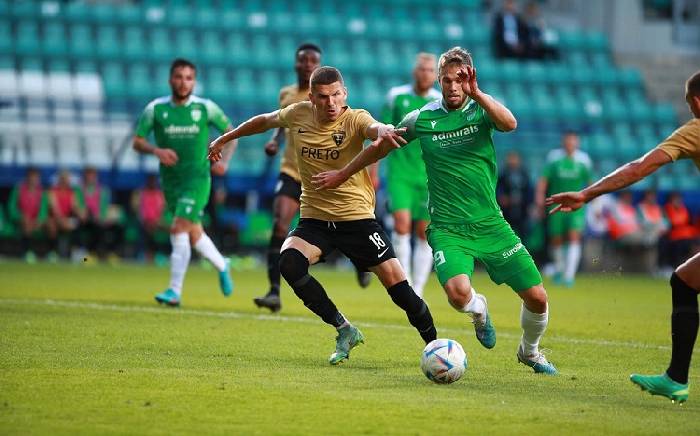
295,319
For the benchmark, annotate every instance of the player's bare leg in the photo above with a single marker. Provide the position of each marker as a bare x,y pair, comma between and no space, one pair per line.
401,240
464,298
534,317
673,384
392,276
284,209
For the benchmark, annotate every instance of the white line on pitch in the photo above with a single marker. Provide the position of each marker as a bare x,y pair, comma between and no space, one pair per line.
296,319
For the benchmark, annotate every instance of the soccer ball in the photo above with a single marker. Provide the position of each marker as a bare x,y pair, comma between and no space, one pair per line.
443,361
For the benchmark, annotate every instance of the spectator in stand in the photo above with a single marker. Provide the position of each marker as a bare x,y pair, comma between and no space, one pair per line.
683,237
510,37
97,230
66,212
651,215
149,205
514,194
628,226
537,46
28,208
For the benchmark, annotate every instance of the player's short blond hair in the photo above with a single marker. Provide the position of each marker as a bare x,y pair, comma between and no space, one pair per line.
455,55
425,57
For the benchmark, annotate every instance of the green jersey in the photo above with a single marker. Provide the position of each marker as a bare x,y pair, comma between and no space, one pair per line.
460,160
184,129
402,100
566,174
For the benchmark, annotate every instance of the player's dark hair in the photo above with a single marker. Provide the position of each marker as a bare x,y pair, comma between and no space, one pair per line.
309,46
179,63
455,55
693,85
325,76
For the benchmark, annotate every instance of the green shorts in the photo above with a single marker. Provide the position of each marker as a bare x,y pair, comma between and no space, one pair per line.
408,195
493,243
187,202
560,224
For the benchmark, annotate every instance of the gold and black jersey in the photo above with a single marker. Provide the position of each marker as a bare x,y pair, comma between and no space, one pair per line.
330,146
684,143
289,95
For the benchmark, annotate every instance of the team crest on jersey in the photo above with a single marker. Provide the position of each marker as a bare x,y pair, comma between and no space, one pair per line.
196,115
338,137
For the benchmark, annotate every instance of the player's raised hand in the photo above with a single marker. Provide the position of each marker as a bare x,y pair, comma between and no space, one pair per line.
469,85
566,201
328,180
215,148
272,147
166,156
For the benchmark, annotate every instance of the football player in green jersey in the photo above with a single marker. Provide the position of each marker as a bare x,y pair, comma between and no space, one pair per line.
456,138
406,181
561,175
180,124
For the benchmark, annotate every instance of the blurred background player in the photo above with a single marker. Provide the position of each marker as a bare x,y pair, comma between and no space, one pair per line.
684,143
288,190
180,123
29,210
514,193
407,182
326,134
564,174
456,138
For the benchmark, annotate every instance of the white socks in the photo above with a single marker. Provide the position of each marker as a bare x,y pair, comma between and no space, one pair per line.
179,259
422,265
206,248
534,325
476,305
559,259
573,257
402,248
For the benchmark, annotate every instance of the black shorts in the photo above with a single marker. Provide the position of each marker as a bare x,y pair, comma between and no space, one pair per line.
287,186
364,242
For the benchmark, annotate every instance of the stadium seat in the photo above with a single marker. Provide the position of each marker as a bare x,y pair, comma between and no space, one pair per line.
207,18
237,51
108,45
54,41
98,152
26,38
114,79
140,83
665,113
81,42
59,85
69,151
32,84
41,150
134,45
103,12
129,14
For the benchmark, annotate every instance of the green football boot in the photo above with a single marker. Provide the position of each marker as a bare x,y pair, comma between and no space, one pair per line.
538,362
348,338
662,385
484,329
169,298
225,281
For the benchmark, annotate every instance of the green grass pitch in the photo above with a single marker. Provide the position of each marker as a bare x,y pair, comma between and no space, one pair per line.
85,350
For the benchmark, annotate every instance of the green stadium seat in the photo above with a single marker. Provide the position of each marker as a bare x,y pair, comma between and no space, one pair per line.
134,44
58,66
140,86
630,77
606,76
665,113
283,22
207,18
263,55
160,46
85,66
269,87
572,40
534,72
77,12
243,87
81,41
577,58
180,17
429,30
54,41
103,12
558,74
232,19
27,38
108,44
218,85
363,55
186,45
237,52
286,49
25,9
113,79
7,62
6,38
665,128
596,42
212,50
337,55
129,14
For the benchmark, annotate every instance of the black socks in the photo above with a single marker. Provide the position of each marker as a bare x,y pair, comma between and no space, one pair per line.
684,328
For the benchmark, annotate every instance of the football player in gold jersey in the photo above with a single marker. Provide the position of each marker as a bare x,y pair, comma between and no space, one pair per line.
326,134
684,143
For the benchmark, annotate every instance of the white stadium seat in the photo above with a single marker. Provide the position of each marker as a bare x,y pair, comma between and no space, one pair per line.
70,151
41,150
98,152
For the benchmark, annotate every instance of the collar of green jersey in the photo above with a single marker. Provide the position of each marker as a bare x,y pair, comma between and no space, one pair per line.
467,104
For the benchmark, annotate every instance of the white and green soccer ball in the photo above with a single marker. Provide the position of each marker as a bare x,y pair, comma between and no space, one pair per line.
443,361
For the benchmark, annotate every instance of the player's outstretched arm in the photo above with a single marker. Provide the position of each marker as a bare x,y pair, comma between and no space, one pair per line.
622,177
257,124
502,117
387,140
166,156
221,167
